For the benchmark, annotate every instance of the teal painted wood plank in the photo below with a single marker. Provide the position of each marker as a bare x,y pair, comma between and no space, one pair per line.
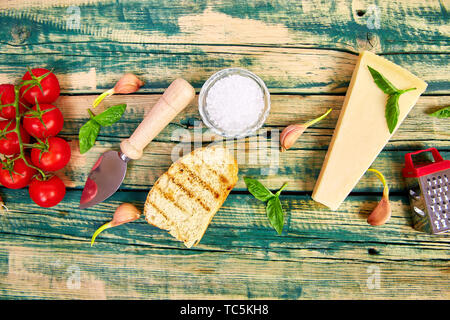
89,68
290,48
399,26
238,257
241,222
40,269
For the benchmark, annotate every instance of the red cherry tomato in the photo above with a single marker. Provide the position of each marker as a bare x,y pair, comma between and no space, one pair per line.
50,87
8,96
47,193
53,158
16,175
53,121
9,143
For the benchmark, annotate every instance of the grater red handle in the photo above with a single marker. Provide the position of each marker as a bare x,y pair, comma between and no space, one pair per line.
411,171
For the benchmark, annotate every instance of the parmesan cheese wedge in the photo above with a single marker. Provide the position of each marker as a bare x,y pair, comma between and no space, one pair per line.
361,131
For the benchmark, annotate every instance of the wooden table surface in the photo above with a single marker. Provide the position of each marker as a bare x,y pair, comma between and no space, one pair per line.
306,53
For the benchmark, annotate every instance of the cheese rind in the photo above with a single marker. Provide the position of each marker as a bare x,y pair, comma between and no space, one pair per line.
361,131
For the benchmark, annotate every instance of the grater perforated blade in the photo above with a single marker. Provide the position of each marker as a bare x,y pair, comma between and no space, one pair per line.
429,192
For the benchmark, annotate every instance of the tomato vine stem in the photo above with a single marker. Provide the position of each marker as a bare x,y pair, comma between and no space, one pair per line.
17,131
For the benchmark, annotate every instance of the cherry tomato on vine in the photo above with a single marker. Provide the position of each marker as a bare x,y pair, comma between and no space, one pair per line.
55,154
15,175
50,87
52,121
8,97
9,143
47,193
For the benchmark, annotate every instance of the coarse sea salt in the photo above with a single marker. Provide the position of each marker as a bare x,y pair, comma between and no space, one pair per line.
235,104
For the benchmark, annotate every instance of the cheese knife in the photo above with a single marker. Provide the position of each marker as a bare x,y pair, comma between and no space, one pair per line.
107,174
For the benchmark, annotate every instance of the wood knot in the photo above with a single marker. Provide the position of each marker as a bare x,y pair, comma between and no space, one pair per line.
368,41
20,34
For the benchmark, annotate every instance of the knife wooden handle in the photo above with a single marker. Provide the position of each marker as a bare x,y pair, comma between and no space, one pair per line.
175,98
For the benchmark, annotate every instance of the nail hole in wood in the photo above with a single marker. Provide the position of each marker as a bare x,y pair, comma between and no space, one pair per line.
360,13
373,251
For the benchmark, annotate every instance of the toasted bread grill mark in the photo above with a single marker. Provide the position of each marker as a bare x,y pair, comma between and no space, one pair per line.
198,184
222,178
159,210
170,197
197,178
188,192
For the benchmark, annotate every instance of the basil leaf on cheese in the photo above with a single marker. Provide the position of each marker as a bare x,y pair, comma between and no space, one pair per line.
392,109
384,84
392,112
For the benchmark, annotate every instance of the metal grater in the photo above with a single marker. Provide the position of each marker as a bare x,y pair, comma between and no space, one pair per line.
429,192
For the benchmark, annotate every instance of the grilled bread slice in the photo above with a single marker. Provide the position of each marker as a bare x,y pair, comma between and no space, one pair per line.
184,200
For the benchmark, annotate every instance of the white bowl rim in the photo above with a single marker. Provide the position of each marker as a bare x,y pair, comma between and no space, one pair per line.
229,71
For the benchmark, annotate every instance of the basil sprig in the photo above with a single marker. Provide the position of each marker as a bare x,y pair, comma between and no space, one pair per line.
392,110
89,131
441,113
274,210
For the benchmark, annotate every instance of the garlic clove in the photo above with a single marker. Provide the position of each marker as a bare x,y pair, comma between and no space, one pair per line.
381,214
124,213
290,134
129,83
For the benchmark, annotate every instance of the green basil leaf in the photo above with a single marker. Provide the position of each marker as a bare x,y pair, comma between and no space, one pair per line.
275,214
392,112
110,115
442,113
384,84
281,189
258,190
87,135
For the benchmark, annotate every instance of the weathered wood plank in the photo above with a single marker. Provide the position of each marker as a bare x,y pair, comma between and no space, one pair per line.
285,110
321,253
241,223
97,66
296,55
399,26
299,166
34,269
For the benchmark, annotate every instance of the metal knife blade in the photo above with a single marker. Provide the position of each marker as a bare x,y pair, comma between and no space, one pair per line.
104,179
109,171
